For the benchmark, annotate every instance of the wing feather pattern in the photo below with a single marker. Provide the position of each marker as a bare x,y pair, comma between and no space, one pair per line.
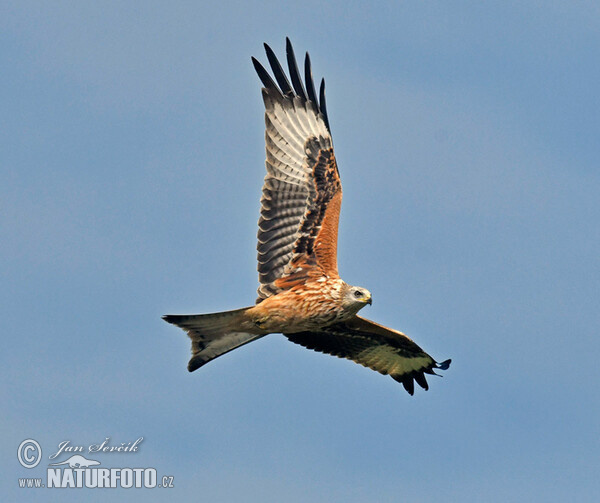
302,192
374,346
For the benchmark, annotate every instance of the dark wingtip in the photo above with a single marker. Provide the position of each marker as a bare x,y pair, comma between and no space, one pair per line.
264,76
293,68
444,365
421,380
281,84
195,363
308,80
409,386
407,381
278,72
323,104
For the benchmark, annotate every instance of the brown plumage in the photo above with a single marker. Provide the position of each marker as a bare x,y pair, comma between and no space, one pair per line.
301,294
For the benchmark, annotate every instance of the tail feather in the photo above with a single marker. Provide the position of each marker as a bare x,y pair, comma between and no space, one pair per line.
212,335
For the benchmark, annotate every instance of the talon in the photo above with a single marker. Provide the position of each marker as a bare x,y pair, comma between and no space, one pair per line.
260,322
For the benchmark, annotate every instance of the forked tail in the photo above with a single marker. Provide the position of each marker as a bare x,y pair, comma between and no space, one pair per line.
213,334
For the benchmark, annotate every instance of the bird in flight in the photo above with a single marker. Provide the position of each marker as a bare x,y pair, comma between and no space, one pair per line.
301,294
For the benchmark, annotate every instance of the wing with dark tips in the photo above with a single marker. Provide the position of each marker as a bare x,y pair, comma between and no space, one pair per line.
374,346
302,192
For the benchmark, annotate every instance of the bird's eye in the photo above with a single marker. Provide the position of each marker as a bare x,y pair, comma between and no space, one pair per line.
358,294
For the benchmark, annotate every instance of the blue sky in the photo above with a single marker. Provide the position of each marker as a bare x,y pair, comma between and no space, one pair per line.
132,158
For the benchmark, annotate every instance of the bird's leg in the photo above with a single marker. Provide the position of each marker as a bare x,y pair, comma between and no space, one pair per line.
261,321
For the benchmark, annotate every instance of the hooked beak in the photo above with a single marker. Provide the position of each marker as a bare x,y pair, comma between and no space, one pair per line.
370,301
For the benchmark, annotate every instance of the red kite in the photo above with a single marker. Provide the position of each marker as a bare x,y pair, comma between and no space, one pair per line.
301,294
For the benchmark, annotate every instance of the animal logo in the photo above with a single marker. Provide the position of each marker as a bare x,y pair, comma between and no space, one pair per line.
78,461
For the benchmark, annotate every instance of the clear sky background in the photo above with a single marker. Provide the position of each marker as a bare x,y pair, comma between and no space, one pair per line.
132,158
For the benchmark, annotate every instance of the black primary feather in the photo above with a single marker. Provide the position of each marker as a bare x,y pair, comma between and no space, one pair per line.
323,105
264,76
293,66
310,84
278,72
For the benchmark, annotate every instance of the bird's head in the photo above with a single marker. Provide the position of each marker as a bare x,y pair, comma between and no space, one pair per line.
356,297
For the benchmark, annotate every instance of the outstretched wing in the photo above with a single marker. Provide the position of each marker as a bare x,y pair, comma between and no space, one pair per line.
380,348
302,192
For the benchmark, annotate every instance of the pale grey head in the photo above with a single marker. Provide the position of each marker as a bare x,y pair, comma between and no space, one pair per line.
354,298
